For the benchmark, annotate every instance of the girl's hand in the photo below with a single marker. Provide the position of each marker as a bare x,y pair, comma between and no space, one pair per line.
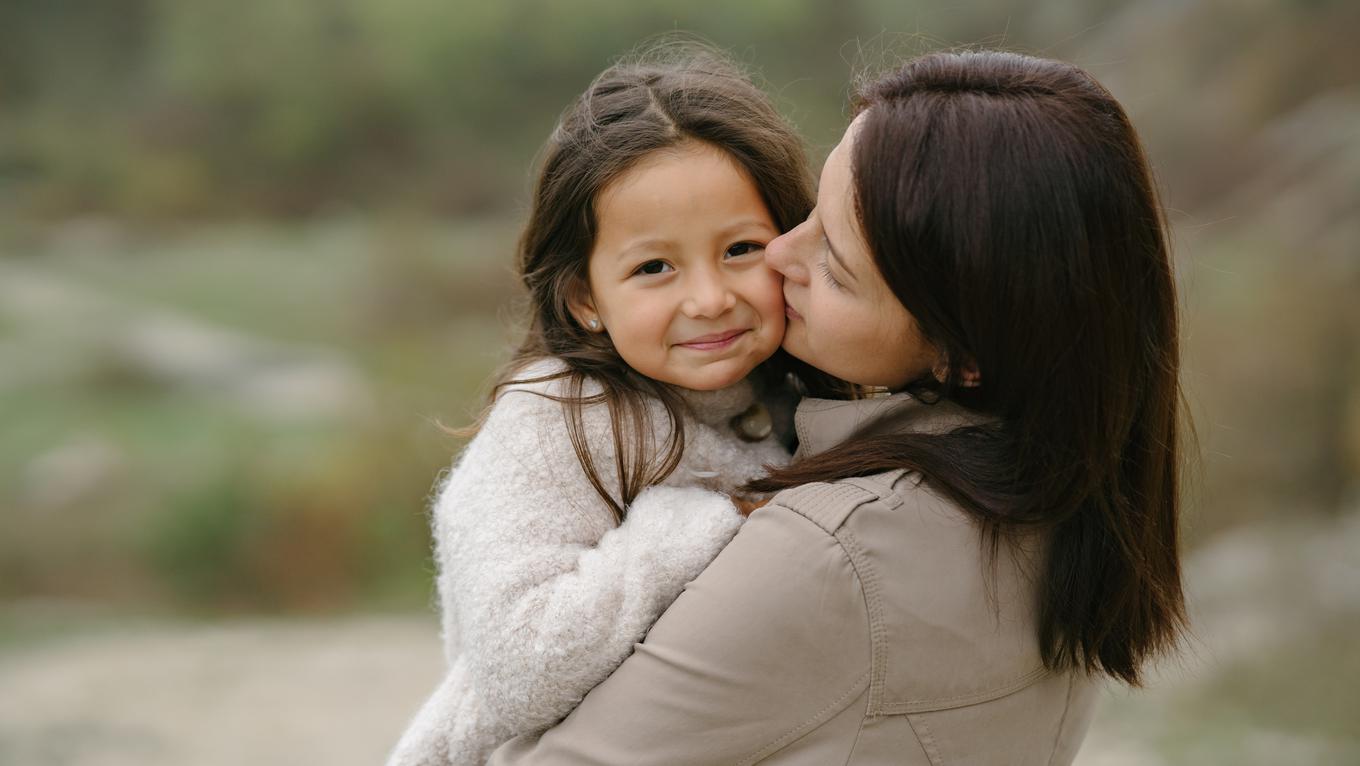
747,504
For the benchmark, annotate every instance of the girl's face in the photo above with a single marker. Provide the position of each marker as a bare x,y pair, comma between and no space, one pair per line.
678,276
843,318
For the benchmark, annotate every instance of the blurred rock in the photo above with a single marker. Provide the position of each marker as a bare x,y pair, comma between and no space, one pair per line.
1270,606
75,471
121,340
274,380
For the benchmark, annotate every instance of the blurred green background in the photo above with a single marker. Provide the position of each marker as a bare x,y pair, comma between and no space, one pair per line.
252,252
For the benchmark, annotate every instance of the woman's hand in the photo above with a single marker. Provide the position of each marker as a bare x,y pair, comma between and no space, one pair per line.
747,504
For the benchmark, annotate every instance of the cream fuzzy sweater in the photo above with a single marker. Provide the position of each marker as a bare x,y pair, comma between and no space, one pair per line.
541,595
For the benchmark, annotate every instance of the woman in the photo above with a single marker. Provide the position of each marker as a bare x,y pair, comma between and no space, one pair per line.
948,572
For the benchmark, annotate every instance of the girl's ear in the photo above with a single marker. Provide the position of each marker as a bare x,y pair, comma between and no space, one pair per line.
582,307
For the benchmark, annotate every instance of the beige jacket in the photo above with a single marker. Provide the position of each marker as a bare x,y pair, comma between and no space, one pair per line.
846,623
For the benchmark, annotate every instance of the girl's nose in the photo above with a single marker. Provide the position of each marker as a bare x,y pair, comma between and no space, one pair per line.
782,254
708,297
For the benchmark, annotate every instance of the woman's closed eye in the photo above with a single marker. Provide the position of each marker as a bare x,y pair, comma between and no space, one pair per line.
826,272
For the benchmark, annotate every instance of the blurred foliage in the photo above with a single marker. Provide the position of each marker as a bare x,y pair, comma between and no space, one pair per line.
251,251
238,417
173,108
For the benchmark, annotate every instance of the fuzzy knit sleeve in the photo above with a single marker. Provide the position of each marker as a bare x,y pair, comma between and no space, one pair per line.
542,595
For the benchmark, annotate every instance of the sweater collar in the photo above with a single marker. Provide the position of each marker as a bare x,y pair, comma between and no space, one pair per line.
825,423
716,408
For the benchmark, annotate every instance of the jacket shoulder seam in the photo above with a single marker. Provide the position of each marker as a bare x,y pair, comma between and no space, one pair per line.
964,700
826,504
873,604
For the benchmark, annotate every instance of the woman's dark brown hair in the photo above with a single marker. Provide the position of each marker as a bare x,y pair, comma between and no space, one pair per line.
674,92
1009,206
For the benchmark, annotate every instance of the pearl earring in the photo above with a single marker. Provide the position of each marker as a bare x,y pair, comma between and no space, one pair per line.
594,324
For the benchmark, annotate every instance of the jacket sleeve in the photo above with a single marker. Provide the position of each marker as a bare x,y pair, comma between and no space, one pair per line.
542,595
771,641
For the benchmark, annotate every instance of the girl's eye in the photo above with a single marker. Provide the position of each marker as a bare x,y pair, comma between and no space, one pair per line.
653,267
743,248
830,278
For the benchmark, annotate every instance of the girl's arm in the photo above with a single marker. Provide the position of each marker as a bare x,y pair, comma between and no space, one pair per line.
771,642
543,596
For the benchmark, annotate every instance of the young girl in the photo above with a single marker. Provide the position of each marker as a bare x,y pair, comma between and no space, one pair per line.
593,491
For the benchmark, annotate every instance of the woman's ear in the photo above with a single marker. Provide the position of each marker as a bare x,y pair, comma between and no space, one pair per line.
582,308
969,376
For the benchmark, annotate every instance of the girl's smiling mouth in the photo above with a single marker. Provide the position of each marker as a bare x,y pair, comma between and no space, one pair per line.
713,341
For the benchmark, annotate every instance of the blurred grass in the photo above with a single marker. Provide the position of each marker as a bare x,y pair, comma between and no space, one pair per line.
170,484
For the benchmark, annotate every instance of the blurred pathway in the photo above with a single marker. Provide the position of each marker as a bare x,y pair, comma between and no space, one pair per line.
258,693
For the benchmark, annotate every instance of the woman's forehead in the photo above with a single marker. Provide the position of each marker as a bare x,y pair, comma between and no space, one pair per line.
835,193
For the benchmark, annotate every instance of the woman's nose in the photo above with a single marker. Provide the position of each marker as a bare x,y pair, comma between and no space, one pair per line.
782,254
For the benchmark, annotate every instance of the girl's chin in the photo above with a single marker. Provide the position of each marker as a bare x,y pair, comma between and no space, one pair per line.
712,384
715,377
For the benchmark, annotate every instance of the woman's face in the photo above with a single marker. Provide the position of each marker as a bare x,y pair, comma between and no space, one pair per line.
842,317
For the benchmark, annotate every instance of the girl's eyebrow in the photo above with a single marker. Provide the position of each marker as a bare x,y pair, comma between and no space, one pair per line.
745,223
649,243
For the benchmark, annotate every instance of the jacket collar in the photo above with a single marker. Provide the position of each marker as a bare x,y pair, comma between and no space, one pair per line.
825,423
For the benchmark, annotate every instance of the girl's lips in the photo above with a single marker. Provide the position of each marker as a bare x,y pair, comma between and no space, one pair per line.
791,313
714,341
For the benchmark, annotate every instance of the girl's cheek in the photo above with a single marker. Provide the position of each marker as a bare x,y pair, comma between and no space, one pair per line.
773,294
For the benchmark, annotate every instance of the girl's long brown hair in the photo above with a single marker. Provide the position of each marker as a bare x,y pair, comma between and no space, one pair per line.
673,92
1009,206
